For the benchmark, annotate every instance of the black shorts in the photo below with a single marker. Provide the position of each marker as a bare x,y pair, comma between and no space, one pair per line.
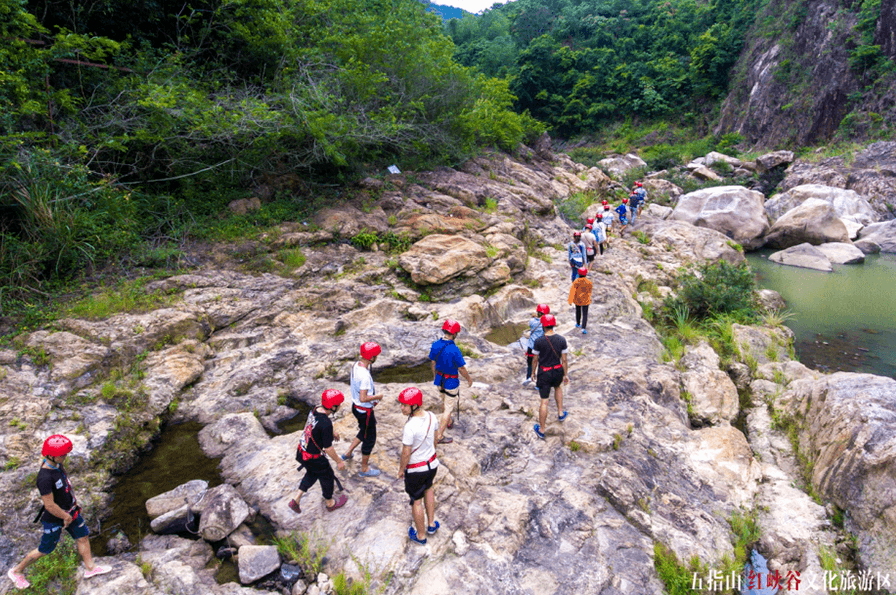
591,258
548,380
416,483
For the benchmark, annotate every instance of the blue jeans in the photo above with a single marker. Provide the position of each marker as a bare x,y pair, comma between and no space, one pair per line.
575,271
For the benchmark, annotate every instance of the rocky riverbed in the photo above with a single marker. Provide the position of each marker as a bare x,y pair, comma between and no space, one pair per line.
578,513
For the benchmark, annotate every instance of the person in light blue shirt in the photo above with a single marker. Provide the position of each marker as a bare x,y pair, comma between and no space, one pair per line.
576,253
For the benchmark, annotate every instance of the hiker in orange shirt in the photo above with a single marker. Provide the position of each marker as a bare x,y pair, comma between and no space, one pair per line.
580,295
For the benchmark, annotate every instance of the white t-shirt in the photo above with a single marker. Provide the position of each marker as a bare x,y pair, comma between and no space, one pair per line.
609,216
601,230
589,240
419,434
360,380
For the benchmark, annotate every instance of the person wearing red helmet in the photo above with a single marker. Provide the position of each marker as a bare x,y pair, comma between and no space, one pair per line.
316,442
608,217
447,366
550,361
622,212
590,241
575,253
641,194
60,511
419,462
535,331
600,232
580,296
364,399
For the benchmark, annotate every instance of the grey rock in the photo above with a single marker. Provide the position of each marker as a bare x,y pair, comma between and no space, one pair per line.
841,253
713,394
882,234
770,161
814,222
658,211
180,496
847,204
805,256
867,246
223,510
770,300
619,165
257,561
733,210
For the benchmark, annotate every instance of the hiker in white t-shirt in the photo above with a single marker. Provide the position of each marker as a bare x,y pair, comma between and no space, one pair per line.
419,463
364,399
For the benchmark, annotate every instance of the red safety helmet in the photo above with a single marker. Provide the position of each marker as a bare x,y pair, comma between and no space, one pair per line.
543,309
589,227
411,396
56,445
604,202
600,215
606,207
451,326
370,350
624,200
331,398
577,234
548,320
583,272
589,220
638,184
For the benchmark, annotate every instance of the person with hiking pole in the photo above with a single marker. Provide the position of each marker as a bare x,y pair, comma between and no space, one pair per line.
419,463
60,511
535,331
447,366
317,442
550,361
364,399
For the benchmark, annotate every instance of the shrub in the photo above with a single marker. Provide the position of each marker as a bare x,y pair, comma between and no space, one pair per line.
714,290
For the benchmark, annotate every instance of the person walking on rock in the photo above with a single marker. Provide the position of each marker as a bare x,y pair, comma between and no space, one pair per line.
634,202
447,366
642,196
622,211
600,232
550,361
580,296
535,331
576,253
608,218
419,463
317,442
364,399
60,511
590,241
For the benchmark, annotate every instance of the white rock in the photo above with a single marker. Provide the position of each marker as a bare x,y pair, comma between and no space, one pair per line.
841,253
805,255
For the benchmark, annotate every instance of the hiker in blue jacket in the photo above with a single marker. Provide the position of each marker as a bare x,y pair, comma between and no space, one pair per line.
576,253
622,211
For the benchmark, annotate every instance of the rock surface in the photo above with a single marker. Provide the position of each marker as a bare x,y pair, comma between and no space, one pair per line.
733,210
619,165
805,256
882,234
848,204
257,561
814,222
839,253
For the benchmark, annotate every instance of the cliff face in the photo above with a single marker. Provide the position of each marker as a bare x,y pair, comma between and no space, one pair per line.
801,79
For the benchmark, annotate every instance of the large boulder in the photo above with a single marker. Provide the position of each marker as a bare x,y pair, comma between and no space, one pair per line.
658,188
770,161
805,256
846,203
882,234
221,511
439,258
184,494
840,253
814,222
733,210
845,427
802,173
712,393
619,165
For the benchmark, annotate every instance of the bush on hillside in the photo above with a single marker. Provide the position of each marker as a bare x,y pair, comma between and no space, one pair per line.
714,290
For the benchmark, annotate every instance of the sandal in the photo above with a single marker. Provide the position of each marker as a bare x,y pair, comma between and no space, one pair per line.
412,535
294,506
18,580
432,530
339,503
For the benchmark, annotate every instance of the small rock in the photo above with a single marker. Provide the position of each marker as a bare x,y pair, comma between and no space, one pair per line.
290,573
299,588
256,561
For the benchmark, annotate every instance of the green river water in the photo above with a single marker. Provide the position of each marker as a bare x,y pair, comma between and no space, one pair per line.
842,321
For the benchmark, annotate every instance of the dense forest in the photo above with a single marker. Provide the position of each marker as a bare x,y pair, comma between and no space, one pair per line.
577,65
128,124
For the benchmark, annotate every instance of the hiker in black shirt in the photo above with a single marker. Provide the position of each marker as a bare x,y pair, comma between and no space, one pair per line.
60,511
550,363
315,444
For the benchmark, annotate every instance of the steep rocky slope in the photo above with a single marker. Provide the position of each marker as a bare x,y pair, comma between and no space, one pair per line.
798,82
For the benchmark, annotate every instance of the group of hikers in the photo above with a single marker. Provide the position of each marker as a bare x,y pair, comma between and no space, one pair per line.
546,357
594,240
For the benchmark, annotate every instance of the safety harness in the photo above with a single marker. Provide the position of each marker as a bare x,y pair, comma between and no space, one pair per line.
434,455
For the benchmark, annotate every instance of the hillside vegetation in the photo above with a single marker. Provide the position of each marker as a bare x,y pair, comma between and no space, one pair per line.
128,125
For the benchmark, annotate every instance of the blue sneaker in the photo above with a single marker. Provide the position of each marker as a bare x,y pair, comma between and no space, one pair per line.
433,528
584,332
564,416
538,432
412,535
578,326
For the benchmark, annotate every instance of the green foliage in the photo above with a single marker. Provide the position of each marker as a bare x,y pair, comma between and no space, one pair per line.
716,289
641,236
303,549
55,573
127,296
573,206
675,576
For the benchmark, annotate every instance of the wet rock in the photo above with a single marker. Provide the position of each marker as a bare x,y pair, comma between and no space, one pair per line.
733,210
847,204
182,495
221,511
806,256
713,394
814,222
257,561
770,300
617,166
867,246
178,520
840,253
118,544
